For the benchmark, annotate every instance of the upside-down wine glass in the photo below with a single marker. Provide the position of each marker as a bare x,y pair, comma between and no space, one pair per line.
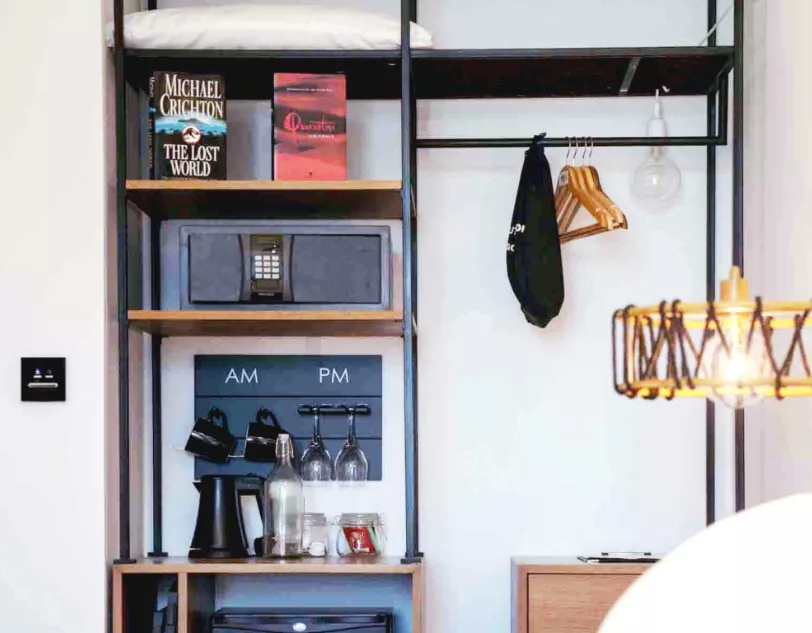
351,463
317,463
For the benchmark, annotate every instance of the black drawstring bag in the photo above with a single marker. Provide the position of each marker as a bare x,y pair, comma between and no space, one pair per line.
534,251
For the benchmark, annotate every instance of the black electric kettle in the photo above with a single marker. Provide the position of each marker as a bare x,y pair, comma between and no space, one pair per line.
220,531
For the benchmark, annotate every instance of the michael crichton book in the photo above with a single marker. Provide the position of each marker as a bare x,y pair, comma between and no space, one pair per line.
188,126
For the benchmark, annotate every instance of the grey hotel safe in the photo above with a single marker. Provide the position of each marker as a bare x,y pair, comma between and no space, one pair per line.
271,264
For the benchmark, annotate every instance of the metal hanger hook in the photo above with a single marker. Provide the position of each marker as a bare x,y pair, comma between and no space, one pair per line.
591,149
575,153
569,149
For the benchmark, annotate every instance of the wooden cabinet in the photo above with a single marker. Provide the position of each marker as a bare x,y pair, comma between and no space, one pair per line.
203,584
565,596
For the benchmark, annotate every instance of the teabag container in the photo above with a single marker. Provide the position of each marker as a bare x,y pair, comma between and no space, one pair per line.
360,535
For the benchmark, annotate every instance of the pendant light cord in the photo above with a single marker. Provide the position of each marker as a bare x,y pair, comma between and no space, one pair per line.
721,19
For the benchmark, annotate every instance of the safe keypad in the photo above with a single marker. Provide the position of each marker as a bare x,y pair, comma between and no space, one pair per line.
267,266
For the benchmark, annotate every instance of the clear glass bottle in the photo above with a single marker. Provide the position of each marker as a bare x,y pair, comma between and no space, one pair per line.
284,505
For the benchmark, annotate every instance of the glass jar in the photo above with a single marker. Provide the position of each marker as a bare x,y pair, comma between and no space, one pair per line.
314,537
360,535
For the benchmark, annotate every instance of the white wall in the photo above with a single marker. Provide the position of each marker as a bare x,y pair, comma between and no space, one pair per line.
52,267
779,224
525,448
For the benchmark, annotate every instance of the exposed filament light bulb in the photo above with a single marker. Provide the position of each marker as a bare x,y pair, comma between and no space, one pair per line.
738,361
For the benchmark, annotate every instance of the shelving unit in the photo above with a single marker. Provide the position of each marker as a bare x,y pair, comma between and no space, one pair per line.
407,76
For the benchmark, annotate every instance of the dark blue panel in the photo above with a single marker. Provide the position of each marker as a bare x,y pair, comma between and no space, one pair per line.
373,449
241,385
241,411
317,376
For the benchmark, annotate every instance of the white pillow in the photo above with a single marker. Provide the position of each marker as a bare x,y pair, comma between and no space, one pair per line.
266,26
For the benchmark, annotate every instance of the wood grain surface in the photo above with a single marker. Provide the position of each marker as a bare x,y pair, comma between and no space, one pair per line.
328,565
373,323
558,603
268,199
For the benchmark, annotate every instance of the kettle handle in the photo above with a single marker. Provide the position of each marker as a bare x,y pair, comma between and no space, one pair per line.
252,485
218,414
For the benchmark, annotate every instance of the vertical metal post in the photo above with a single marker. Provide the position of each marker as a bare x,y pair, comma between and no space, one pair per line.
122,289
710,283
724,110
409,342
157,430
738,211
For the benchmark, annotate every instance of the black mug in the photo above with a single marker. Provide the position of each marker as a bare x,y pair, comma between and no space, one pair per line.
210,440
260,440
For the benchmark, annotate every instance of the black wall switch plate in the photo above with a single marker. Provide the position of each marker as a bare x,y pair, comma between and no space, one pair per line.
43,379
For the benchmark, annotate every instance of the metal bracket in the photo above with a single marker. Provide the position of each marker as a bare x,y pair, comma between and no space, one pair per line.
411,560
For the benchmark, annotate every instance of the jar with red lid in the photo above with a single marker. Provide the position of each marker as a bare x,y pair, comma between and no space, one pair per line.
360,535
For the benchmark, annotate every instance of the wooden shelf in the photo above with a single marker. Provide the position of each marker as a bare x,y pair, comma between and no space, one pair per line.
328,565
268,199
374,323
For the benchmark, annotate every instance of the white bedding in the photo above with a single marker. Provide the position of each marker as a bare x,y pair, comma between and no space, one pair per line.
266,27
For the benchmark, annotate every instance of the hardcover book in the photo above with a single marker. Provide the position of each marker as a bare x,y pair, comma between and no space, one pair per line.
310,127
187,126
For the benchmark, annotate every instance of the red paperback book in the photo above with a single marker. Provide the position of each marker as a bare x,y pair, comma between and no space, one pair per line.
310,127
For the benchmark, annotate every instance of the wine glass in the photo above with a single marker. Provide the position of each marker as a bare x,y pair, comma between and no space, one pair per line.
316,463
351,463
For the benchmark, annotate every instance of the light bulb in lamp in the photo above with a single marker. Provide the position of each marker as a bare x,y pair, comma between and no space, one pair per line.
739,360
657,182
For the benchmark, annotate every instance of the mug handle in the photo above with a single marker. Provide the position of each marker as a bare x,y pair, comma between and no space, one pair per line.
218,414
263,414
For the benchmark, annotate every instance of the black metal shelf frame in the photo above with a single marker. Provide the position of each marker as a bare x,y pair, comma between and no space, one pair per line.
408,76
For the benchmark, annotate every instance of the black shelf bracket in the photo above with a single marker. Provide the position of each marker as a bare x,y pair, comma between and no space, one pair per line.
411,560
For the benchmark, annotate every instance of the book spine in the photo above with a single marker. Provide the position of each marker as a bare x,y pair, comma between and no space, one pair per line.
151,128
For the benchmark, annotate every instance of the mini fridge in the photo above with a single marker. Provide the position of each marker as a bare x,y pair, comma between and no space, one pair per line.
252,620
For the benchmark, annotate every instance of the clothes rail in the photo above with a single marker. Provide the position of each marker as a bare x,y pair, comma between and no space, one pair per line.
610,141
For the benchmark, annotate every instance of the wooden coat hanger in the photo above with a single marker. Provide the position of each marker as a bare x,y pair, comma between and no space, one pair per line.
565,202
574,193
579,187
594,180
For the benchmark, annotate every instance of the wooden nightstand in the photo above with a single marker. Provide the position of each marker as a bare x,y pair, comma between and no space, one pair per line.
563,595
